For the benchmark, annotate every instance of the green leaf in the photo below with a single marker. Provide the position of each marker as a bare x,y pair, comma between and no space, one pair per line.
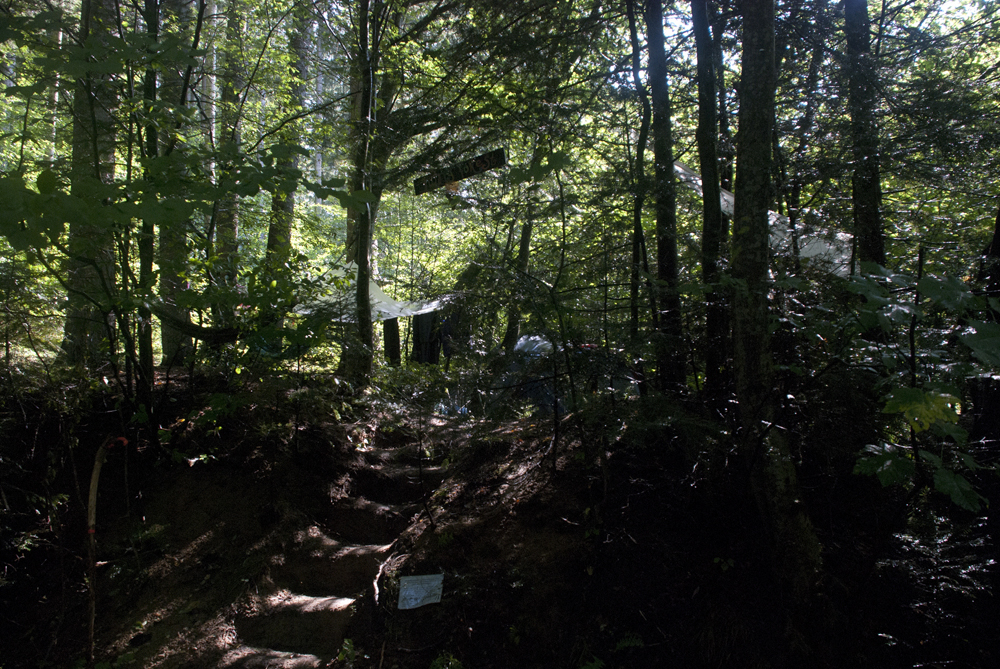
870,289
25,91
355,199
889,463
957,434
47,182
950,293
984,341
922,408
969,461
932,458
959,489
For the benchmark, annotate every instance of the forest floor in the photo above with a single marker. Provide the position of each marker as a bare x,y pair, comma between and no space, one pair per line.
558,546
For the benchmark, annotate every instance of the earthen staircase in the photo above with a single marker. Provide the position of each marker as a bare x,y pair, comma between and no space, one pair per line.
298,617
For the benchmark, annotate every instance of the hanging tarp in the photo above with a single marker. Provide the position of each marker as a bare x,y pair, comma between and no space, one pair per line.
340,304
829,249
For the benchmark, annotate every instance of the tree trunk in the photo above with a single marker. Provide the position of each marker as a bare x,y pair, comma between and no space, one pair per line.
773,481
173,246
670,346
640,260
358,356
89,332
279,232
726,153
867,188
712,227
804,132
151,12
991,269
513,331
225,226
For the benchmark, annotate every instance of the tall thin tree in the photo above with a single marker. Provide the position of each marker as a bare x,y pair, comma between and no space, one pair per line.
773,479
670,346
866,181
89,331
712,224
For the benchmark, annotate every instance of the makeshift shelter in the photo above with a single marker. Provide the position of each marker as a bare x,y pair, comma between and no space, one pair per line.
340,304
824,248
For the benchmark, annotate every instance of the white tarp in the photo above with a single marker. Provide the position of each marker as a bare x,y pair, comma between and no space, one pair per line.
831,249
341,303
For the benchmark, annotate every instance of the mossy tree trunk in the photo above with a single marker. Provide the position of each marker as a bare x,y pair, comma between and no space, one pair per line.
795,550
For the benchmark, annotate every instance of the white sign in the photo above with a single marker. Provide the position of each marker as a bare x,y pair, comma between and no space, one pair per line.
417,591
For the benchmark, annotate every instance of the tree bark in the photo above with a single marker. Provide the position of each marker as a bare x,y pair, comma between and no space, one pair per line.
513,329
773,481
151,11
89,331
712,226
726,154
279,231
172,257
225,225
804,132
359,354
992,267
670,345
640,259
866,182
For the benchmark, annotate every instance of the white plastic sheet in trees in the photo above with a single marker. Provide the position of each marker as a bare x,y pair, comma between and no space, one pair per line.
830,250
340,305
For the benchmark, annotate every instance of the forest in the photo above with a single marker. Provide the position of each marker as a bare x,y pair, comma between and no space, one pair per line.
668,332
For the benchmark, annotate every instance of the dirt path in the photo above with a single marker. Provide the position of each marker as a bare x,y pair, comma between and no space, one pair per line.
301,617
304,543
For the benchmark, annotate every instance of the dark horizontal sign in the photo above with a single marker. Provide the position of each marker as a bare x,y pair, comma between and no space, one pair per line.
463,170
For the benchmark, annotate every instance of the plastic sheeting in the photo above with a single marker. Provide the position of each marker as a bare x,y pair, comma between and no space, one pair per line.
832,250
341,303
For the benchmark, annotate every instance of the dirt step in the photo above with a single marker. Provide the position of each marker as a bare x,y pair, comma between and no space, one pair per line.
410,454
361,521
248,657
299,623
396,484
329,568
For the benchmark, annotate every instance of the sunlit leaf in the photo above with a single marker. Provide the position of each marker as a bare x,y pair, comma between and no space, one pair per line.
922,408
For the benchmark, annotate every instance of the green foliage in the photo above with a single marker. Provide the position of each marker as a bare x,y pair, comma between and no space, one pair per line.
922,376
724,564
957,487
922,408
983,339
445,661
347,653
631,640
889,462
